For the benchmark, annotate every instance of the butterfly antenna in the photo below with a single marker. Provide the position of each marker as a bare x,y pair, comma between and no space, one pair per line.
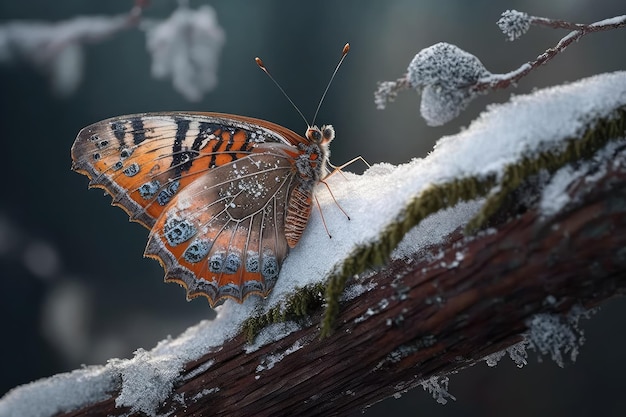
264,69
344,52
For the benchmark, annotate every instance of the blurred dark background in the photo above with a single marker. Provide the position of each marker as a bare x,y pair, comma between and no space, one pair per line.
74,286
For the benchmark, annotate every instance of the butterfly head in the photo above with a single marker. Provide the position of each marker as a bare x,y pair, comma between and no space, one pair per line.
319,140
321,136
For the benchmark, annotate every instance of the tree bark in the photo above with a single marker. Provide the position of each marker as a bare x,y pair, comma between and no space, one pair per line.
427,316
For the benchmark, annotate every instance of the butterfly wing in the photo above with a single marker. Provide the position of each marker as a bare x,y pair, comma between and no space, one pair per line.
213,188
223,235
143,160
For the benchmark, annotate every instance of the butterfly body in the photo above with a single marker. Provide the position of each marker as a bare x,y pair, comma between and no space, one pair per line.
224,196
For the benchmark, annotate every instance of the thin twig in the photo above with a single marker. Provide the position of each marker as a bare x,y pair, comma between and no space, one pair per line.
500,81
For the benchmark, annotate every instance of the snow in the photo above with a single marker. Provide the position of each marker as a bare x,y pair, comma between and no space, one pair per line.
357,289
555,335
514,24
271,360
59,393
186,48
204,393
382,304
495,78
502,135
435,228
517,353
145,380
555,196
438,387
548,334
494,358
612,21
443,73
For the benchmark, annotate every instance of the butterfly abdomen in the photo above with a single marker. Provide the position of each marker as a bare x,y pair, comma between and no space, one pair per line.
310,166
297,216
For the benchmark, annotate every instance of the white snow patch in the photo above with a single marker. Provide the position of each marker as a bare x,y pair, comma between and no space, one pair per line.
357,289
146,379
382,304
270,360
60,393
199,370
204,393
555,196
435,228
610,21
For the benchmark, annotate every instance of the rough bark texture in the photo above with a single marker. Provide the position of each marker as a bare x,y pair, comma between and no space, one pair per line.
425,317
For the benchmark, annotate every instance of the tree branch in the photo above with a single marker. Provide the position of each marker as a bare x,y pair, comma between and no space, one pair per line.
427,316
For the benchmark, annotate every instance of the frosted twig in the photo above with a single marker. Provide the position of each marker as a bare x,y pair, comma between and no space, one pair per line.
498,81
184,47
449,78
56,48
388,91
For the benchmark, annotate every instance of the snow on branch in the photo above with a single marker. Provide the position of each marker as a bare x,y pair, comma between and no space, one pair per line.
449,78
185,47
440,304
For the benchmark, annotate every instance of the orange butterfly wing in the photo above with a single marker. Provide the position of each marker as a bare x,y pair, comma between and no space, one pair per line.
223,236
142,160
213,188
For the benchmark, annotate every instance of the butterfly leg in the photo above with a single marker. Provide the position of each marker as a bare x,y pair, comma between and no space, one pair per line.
317,203
334,199
338,169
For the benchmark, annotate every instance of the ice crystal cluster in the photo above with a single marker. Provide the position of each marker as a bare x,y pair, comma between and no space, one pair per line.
438,387
444,74
514,24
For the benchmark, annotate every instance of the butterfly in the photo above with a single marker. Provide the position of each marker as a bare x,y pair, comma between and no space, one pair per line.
225,196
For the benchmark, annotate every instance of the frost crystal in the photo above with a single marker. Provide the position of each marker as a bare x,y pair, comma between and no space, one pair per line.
555,335
493,359
386,93
444,74
518,353
438,387
514,24
186,47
